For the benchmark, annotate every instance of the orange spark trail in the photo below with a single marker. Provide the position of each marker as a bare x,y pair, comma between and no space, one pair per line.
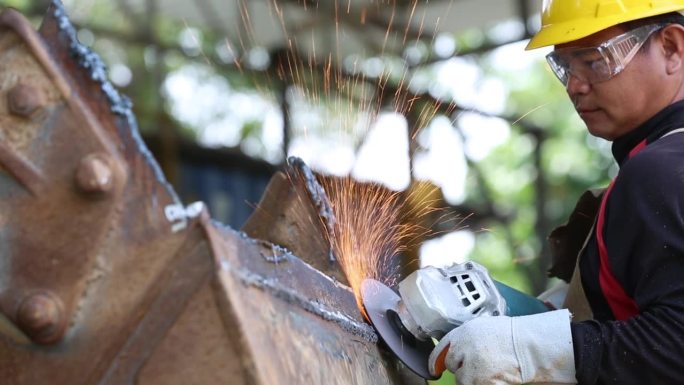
370,230
367,231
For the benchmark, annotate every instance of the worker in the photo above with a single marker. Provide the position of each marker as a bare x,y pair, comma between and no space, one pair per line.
622,64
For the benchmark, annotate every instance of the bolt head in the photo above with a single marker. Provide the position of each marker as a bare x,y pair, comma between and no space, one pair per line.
94,174
24,100
40,317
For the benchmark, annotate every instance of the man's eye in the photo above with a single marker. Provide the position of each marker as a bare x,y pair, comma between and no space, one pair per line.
590,61
598,65
589,64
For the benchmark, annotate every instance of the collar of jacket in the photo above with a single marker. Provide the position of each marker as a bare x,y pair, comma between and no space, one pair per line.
668,119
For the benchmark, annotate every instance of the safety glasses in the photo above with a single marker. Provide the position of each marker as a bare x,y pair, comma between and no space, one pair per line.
598,64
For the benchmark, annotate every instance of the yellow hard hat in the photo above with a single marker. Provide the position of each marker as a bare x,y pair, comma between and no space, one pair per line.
567,20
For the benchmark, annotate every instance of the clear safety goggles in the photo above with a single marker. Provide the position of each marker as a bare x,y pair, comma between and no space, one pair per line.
598,64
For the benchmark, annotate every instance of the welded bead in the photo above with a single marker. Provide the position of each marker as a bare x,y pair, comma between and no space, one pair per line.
94,174
24,100
40,317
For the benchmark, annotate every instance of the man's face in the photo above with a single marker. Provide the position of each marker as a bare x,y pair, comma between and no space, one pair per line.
614,107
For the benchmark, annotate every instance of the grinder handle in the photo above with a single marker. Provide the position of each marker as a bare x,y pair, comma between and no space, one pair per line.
519,303
440,361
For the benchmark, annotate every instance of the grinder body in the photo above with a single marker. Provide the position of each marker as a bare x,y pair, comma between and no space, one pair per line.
436,300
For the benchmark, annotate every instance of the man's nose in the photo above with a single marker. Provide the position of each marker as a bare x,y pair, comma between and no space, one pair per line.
576,85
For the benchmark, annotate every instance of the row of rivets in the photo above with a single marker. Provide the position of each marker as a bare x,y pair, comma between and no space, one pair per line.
40,315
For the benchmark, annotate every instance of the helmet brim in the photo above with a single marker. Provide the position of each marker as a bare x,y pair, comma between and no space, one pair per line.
565,32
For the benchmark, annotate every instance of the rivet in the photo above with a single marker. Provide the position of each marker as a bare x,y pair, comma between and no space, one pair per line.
40,317
94,174
23,100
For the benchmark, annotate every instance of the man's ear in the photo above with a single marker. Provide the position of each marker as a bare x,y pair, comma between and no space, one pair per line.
672,38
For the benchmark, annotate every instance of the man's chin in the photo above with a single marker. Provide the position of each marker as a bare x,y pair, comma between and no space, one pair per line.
600,132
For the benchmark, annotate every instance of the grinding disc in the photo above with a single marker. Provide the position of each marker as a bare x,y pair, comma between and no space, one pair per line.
381,305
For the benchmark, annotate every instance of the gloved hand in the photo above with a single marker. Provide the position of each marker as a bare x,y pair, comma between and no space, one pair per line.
509,350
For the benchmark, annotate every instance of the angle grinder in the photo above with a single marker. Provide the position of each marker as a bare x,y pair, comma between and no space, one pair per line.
431,302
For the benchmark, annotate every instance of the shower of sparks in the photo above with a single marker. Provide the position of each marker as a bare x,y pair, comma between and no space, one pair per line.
368,231
373,225
372,229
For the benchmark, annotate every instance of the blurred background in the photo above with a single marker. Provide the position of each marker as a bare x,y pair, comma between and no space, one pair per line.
405,93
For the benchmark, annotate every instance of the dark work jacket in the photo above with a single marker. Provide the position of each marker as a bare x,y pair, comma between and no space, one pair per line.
644,236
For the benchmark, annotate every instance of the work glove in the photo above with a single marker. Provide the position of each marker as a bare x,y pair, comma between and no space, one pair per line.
508,350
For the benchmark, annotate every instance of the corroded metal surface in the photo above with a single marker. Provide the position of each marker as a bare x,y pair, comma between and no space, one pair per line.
301,326
106,278
44,270
294,212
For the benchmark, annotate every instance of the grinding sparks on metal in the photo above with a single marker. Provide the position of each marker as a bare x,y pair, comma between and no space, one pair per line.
370,229
367,231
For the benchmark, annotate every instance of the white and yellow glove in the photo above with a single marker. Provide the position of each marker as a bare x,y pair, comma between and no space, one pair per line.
509,350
